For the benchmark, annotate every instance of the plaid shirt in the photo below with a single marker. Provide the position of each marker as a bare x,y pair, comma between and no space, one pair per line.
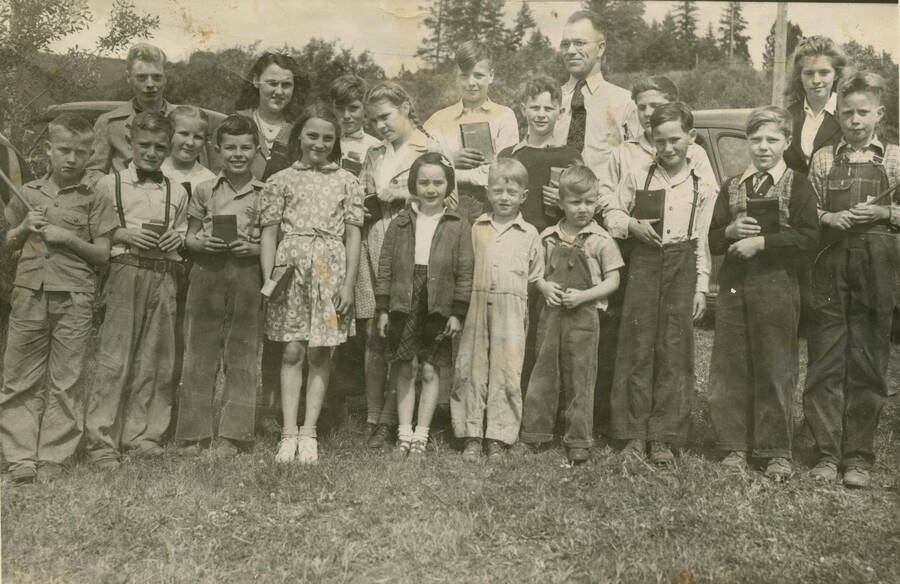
823,161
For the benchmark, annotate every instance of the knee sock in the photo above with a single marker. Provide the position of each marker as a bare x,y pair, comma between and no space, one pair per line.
405,432
421,434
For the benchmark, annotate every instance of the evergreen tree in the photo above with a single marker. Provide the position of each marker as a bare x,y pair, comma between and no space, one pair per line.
732,39
523,23
626,32
452,22
794,36
708,47
685,15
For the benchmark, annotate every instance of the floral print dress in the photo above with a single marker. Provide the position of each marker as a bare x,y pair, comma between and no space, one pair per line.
312,206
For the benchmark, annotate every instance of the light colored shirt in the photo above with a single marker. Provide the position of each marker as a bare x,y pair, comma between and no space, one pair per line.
602,252
76,208
507,257
144,202
776,172
678,210
444,124
355,146
812,122
611,119
219,197
634,158
425,228
195,175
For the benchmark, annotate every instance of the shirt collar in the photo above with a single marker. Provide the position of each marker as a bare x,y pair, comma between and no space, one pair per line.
519,221
355,136
254,184
327,167
830,105
593,81
776,172
45,183
556,142
874,143
458,108
131,172
590,228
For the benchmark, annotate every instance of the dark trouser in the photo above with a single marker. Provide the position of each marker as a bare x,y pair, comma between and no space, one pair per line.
130,403
854,284
222,325
754,367
654,372
269,404
47,343
567,362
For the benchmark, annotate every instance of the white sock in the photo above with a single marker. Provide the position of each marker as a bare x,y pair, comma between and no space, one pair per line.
405,432
290,431
308,431
421,434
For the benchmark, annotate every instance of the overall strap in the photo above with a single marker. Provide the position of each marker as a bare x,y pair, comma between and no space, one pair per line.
693,205
649,176
119,207
168,199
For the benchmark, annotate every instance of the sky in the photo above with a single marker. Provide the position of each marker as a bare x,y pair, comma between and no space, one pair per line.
391,29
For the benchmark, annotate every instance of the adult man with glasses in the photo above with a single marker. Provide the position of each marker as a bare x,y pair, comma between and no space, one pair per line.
595,114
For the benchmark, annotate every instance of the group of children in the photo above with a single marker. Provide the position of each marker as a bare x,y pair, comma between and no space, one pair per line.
434,251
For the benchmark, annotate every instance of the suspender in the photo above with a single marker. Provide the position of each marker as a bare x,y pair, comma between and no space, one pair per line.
693,205
121,209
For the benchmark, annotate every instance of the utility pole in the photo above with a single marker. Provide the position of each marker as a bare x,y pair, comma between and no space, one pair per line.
437,50
780,54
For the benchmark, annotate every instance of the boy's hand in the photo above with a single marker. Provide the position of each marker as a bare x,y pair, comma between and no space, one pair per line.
642,230
343,300
139,238
171,241
211,244
747,248
242,248
573,298
383,320
553,292
451,329
34,221
56,235
842,220
865,213
468,158
551,195
742,227
699,305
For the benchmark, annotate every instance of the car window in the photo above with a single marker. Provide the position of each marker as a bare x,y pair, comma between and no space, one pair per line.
733,155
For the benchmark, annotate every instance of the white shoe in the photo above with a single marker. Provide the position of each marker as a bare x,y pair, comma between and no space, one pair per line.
287,448
307,450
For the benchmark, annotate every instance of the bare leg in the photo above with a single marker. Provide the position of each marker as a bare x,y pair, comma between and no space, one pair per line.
291,382
319,370
406,392
431,387
376,370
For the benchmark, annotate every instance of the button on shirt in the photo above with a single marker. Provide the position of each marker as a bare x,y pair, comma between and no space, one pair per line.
678,204
602,253
76,208
812,122
219,197
507,257
444,126
144,202
611,119
634,158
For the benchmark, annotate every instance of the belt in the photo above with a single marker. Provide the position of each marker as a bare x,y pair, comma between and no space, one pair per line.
163,266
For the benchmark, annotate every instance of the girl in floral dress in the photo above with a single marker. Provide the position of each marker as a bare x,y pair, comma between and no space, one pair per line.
317,207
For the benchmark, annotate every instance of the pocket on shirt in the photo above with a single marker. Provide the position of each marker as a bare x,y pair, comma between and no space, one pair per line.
76,222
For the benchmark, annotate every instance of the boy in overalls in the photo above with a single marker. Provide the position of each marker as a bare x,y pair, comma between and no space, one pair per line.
854,285
582,270
667,283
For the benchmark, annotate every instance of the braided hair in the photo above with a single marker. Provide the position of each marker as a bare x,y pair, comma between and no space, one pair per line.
394,94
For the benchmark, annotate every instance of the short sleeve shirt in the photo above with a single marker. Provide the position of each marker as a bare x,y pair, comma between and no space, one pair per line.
506,260
600,248
219,197
304,199
78,209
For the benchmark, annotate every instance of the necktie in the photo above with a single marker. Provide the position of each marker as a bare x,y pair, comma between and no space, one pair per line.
575,139
762,182
154,175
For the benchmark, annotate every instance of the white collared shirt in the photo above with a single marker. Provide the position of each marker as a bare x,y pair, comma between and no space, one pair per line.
443,126
812,122
194,175
776,172
611,118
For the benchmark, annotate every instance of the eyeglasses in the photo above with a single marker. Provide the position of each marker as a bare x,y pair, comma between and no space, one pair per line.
577,43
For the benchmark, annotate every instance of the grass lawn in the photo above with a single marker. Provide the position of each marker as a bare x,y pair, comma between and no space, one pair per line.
359,516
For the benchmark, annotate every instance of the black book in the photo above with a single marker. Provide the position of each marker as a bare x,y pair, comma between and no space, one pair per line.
225,227
766,213
650,205
353,166
278,282
477,136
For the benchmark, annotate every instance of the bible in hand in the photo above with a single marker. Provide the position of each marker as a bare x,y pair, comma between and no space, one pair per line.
650,205
225,227
765,211
477,136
